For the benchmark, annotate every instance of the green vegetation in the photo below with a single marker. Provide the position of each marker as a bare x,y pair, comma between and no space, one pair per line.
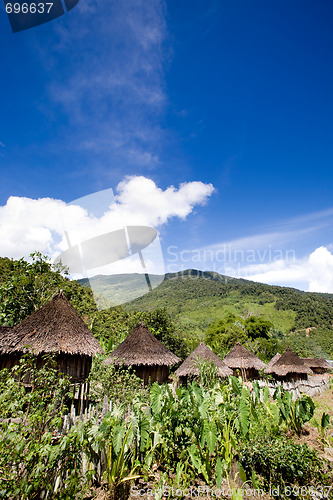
282,464
107,380
35,454
257,334
197,299
182,437
27,286
186,308
201,434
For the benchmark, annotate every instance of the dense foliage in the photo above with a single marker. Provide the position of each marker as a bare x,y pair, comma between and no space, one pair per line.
35,454
200,434
26,286
182,310
109,381
282,462
196,299
191,435
255,333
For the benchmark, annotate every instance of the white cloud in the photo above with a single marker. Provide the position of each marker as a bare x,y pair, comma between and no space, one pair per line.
321,267
27,225
142,202
315,270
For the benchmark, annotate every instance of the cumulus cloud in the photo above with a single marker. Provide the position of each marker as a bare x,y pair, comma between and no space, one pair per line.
315,270
321,267
50,225
143,202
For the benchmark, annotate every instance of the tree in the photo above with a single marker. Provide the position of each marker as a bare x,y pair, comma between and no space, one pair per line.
222,335
257,327
29,286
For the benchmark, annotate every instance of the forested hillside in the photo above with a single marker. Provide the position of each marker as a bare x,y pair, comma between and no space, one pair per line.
195,299
185,308
27,286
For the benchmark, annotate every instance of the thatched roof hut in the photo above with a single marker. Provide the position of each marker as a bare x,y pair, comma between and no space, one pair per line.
244,362
55,328
289,367
317,365
190,367
142,351
273,360
5,335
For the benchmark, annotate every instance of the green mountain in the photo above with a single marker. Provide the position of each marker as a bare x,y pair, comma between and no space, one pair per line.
196,298
192,301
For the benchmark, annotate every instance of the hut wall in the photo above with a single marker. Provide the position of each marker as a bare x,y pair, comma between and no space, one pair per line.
249,373
318,369
9,360
75,366
154,373
182,381
291,377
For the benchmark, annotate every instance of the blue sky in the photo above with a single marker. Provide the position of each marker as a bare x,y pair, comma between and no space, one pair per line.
233,95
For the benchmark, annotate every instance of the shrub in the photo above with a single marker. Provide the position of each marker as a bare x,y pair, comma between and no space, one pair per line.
36,455
120,385
282,462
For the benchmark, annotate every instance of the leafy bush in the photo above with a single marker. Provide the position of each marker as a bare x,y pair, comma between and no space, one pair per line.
282,462
36,455
120,385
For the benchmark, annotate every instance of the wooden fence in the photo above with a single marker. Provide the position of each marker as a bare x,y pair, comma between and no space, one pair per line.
315,385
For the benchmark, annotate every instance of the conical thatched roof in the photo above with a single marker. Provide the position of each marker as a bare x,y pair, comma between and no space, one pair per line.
190,366
317,363
273,360
54,328
142,348
239,357
5,337
288,363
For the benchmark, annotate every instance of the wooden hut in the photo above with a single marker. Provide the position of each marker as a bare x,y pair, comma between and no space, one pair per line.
5,340
243,362
318,365
148,357
289,367
273,360
189,369
56,328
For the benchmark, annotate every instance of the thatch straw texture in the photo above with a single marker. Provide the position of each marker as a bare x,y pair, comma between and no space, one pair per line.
288,363
239,357
273,360
317,363
141,348
5,337
54,328
190,368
